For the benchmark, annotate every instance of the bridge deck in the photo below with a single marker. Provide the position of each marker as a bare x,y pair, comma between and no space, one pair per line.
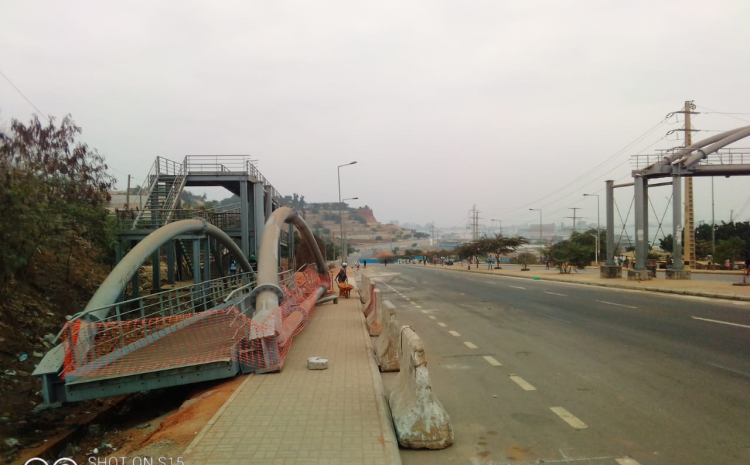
197,343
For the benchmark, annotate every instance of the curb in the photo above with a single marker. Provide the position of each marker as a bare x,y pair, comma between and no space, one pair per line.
389,440
619,286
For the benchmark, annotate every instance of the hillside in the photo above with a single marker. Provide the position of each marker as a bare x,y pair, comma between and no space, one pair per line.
361,225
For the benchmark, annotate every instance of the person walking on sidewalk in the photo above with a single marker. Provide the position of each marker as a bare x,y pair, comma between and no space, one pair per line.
747,266
342,277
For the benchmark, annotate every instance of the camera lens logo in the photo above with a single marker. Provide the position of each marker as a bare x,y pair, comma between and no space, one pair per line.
62,461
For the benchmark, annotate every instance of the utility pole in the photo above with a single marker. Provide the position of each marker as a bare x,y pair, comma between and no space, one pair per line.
127,195
574,216
689,229
474,214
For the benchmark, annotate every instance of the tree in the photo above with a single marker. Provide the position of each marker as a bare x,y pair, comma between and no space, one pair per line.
667,243
733,249
499,245
53,194
421,235
567,254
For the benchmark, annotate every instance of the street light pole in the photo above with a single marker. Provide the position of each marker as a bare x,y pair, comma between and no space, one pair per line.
345,249
340,209
501,225
598,250
540,230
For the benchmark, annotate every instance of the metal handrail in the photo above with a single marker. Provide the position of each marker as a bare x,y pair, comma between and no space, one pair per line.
172,297
174,193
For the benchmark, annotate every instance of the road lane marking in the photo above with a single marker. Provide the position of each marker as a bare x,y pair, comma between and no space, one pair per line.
425,311
722,322
568,418
618,305
728,369
441,324
416,306
627,461
492,361
454,333
555,293
522,382
432,317
555,318
518,287
470,345
407,299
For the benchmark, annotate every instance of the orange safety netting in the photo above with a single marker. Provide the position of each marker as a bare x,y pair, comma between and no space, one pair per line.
112,348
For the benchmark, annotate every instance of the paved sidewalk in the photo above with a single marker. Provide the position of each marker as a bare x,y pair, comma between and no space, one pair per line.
301,416
701,288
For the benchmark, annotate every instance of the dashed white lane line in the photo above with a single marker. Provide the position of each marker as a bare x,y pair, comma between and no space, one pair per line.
627,461
569,418
441,324
425,311
518,287
719,321
408,299
555,318
492,361
432,317
617,305
470,345
522,382
416,306
555,293
728,369
454,333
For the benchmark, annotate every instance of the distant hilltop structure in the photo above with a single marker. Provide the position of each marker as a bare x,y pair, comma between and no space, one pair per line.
366,213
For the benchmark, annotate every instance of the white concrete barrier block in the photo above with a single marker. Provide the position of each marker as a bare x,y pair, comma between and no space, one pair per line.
317,363
375,315
385,347
420,420
364,290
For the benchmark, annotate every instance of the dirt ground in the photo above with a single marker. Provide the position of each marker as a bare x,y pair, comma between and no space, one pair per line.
32,312
156,424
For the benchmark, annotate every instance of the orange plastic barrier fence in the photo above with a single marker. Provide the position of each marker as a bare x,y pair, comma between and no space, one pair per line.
112,348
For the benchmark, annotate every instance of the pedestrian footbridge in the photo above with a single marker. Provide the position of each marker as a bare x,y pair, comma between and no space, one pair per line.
208,330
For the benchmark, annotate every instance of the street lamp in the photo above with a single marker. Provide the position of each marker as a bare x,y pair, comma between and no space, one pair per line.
596,236
501,225
344,249
340,214
598,250
540,230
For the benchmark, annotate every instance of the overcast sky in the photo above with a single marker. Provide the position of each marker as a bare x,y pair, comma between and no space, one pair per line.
443,104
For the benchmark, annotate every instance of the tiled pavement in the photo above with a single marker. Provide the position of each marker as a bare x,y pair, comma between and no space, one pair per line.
301,416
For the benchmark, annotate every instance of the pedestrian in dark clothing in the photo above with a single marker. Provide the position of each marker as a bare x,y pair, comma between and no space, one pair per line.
341,277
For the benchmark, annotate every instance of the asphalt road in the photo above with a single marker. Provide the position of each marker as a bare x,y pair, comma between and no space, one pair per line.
538,372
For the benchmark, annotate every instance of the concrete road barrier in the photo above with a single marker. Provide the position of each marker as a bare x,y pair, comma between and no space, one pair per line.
369,307
386,347
421,421
375,316
364,290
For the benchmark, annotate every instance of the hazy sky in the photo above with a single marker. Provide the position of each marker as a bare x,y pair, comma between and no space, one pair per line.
444,104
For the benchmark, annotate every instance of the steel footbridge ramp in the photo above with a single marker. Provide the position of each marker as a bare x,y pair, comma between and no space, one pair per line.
205,331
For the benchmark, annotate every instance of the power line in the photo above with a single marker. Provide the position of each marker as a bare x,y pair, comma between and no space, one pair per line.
619,152
728,115
25,97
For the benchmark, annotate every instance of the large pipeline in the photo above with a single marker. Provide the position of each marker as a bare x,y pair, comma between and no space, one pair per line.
268,294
